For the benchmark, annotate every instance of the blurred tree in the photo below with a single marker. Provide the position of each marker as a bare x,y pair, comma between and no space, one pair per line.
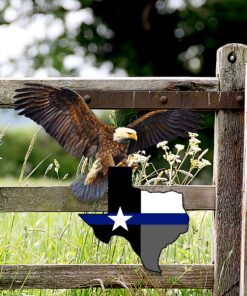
164,37
145,37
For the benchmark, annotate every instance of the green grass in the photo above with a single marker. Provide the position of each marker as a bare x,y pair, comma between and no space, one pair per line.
11,181
39,238
31,238
63,238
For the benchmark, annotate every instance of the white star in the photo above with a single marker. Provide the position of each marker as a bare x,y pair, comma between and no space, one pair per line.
120,220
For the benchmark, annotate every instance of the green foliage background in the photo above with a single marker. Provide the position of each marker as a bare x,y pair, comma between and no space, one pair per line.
15,145
145,37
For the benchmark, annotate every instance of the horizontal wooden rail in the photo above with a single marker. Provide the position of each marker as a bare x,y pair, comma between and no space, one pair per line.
60,199
202,100
105,276
139,93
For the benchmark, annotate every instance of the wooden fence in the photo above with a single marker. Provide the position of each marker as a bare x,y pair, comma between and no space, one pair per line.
227,197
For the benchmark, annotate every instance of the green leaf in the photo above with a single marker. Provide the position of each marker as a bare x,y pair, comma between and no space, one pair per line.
185,173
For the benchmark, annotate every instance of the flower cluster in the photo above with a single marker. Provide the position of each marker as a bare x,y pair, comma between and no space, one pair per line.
199,164
163,145
173,171
179,147
194,144
138,158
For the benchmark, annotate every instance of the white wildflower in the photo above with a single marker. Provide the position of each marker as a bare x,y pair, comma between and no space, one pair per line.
171,158
193,135
141,152
169,172
194,149
179,147
137,158
194,141
172,172
206,162
195,163
163,145
200,164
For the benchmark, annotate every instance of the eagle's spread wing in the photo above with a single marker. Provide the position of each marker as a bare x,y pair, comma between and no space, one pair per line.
63,114
162,125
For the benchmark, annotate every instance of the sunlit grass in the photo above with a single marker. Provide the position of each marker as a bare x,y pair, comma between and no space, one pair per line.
11,181
63,238
31,238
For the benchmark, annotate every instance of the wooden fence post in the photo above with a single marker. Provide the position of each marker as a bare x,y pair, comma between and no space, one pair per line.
228,168
243,271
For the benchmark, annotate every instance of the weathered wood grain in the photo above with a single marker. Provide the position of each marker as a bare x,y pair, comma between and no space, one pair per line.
106,276
243,267
195,100
228,167
155,100
60,199
103,89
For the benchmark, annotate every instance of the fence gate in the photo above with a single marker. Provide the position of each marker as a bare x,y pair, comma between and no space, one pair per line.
227,197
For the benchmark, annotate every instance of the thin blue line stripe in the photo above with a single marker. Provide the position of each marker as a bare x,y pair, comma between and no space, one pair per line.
138,219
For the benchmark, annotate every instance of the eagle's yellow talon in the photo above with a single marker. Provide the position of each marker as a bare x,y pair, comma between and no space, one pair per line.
121,164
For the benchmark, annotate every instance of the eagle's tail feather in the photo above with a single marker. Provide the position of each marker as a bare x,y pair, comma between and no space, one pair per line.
91,191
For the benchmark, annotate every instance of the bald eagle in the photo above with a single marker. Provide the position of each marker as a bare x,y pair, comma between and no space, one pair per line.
64,115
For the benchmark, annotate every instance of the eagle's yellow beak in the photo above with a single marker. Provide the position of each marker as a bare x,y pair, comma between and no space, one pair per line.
133,136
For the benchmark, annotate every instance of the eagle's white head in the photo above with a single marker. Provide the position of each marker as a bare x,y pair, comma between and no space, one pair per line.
124,134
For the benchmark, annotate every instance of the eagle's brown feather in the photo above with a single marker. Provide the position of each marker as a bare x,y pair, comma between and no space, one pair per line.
67,118
64,115
157,126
